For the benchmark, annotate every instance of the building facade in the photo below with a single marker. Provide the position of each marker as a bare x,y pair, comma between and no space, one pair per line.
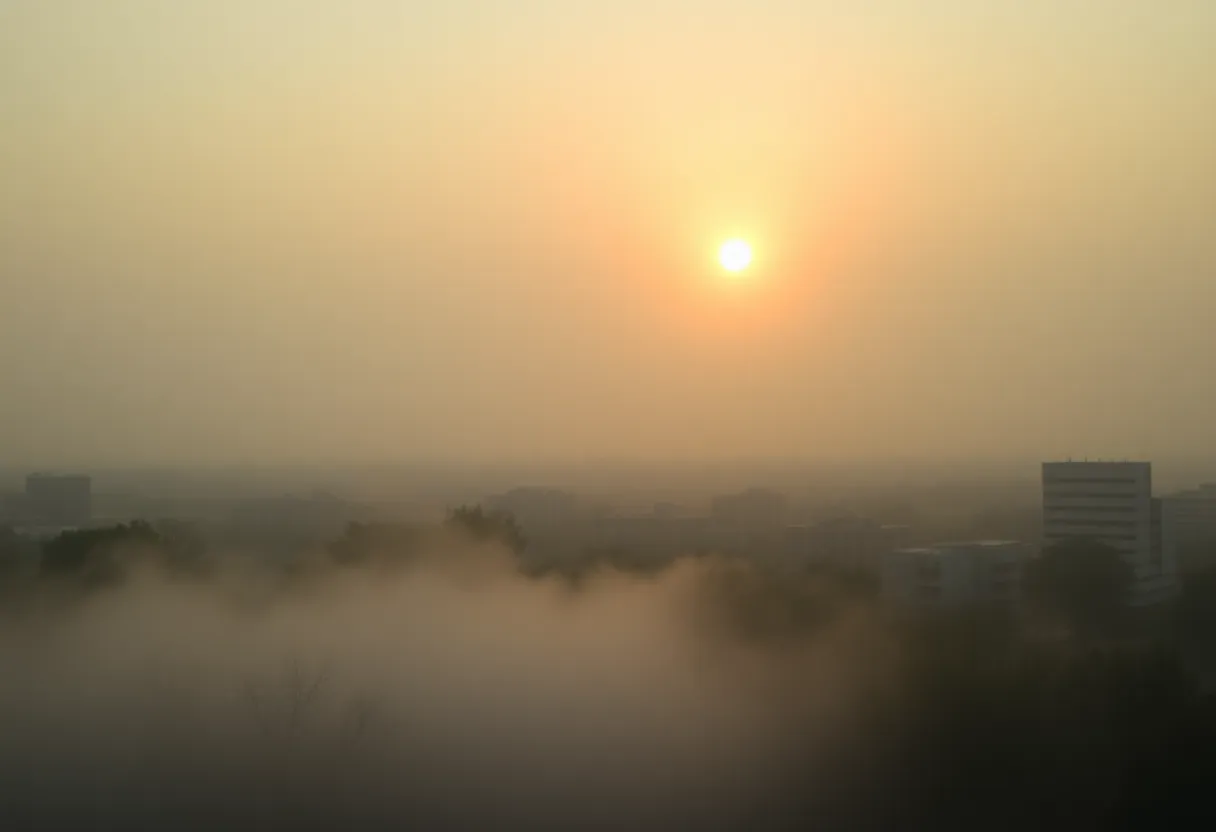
537,508
854,542
55,500
1112,503
1190,516
756,510
985,572
663,536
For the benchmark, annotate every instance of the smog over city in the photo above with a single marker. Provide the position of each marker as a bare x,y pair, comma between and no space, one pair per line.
641,416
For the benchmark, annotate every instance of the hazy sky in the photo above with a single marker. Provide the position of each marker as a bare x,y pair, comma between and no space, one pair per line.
271,230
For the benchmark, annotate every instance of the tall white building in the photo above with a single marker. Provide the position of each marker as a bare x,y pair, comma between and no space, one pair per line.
1112,502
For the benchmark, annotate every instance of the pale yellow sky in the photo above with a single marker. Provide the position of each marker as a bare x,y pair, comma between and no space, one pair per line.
275,230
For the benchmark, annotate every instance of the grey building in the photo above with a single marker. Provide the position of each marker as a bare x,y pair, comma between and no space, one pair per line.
844,541
58,500
1190,517
985,572
1112,502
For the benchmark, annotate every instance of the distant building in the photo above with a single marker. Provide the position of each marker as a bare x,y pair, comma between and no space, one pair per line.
551,519
1190,517
844,541
987,572
12,508
669,510
537,508
756,509
1112,502
56,500
319,516
662,535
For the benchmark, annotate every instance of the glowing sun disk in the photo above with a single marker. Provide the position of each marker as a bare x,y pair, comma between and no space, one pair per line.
735,255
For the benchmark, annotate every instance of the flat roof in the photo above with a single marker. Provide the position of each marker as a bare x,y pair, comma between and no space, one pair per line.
936,548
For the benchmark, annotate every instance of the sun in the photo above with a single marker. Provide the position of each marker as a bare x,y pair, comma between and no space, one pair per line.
735,255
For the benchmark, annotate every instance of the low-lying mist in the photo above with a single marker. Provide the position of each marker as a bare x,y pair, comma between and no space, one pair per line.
451,693
449,685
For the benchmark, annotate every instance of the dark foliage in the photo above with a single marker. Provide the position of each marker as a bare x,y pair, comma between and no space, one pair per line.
488,526
1084,583
363,543
975,727
16,555
853,581
101,555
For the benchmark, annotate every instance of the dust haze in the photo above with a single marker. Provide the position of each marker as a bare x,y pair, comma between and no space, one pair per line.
333,302
454,693
381,231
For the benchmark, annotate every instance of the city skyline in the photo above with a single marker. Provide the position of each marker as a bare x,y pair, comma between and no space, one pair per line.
640,415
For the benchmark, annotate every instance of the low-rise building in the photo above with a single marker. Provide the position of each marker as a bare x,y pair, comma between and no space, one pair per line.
58,500
753,510
955,574
1190,519
665,536
853,542
538,508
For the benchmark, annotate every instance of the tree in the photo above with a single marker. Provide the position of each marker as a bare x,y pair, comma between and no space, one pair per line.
364,542
488,526
184,545
855,582
99,555
1085,582
15,553
1196,615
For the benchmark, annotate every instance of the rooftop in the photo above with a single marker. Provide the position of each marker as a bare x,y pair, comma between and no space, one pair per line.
937,548
1207,491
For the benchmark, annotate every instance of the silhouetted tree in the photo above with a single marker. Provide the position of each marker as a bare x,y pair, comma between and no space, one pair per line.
184,546
100,555
488,526
362,542
853,581
1084,582
1196,614
15,553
